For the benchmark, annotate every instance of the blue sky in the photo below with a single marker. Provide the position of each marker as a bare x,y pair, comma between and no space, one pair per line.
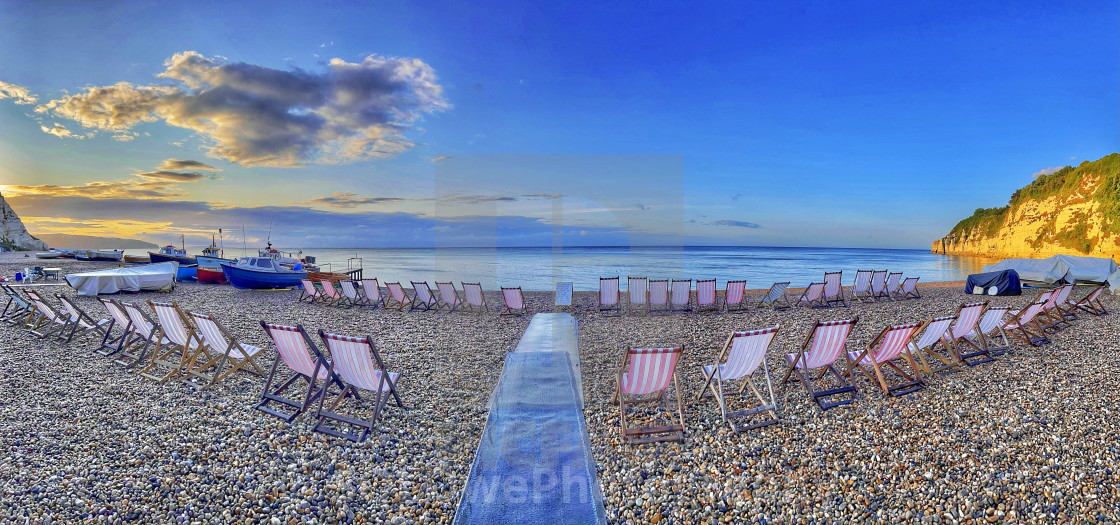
803,124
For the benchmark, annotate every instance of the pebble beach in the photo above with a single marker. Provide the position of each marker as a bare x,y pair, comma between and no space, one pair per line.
1030,437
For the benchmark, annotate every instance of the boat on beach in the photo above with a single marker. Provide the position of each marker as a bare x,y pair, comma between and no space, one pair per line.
212,256
211,275
186,273
137,259
48,255
261,273
99,255
170,253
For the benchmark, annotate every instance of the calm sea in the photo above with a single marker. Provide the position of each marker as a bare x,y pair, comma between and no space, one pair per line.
541,268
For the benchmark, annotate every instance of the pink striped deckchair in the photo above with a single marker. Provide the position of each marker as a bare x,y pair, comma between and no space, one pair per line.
825,344
968,318
18,311
991,328
879,284
46,320
473,297
422,297
448,297
740,358
111,345
889,347
219,349
1024,324
861,287
658,295
183,341
910,288
680,298
304,360
372,292
514,301
1055,318
894,286
81,321
637,290
932,341
776,297
1091,303
351,295
833,290
608,295
331,297
735,296
145,334
359,365
309,292
706,295
397,297
813,296
645,377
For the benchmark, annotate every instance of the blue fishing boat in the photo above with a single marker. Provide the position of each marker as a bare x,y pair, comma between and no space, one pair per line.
186,273
261,273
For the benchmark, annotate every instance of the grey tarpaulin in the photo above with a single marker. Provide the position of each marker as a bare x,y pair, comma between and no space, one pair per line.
534,462
1058,268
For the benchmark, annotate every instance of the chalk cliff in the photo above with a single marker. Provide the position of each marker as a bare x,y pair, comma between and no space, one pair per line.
13,235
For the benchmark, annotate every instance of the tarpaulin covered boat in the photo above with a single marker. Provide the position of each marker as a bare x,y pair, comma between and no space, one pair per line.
149,277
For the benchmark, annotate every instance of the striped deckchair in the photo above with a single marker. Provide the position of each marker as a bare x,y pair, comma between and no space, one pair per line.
304,360
351,295
888,349
879,284
893,285
833,290
109,344
740,358
448,297
361,369
422,297
932,342
331,297
608,295
309,292
219,349
735,296
825,344
145,334
514,301
1091,303
473,297
637,290
680,295
397,297
81,321
1055,319
372,292
658,295
46,320
990,332
183,342
1024,324
968,318
910,288
18,311
776,297
706,296
861,287
813,296
645,376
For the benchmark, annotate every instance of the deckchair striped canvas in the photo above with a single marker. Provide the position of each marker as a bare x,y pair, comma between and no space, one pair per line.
46,321
359,365
658,295
739,358
372,292
448,297
706,295
514,301
861,287
879,284
475,300
681,295
422,296
990,327
735,296
397,298
884,350
608,294
833,291
145,331
111,345
294,348
1091,303
350,293
330,294
910,288
308,292
650,372
183,342
825,344
1024,325
893,285
968,316
81,321
813,296
776,297
931,340
220,349
637,290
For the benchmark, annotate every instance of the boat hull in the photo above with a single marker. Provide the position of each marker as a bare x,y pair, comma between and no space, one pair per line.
205,261
48,255
256,280
211,275
159,257
187,273
137,259
93,255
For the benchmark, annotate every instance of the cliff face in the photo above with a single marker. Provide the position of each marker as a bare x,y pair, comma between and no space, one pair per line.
1075,211
13,235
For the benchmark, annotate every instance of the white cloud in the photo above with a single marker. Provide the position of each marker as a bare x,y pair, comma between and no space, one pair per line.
60,131
20,93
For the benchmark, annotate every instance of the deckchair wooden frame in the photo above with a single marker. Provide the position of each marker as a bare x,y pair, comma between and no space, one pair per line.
637,293
371,290
818,302
838,295
958,336
109,344
804,373
515,294
707,300
308,291
174,348
20,315
331,295
1020,323
46,319
893,285
79,319
145,333
213,358
733,290
1056,317
937,327
392,299
674,305
713,383
385,381
320,372
469,306
609,296
861,285
1091,302
987,330
776,294
658,302
420,303
909,288
650,434
445,289
878,284
912,382
352,293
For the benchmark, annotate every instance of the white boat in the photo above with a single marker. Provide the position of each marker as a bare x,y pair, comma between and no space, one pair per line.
150,277
48,255
99,255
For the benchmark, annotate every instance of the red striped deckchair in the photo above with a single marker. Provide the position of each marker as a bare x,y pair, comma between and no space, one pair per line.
46,320
81,321
861,287
448,297
331,297
218,350
910,288
372,292
1091,303
658,295
776,297
991,328
740,358
304,360
894,286
1055,319
813,296
145,333
183,342
608,295
706,295
968,318
637,289
932,342
887,349
473,297
833,290
397,297
422,297
680,295
111,345
879,284
18,311
1024,324
825,344
360,367
735,296
351,295
309,292
645,377
514,301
